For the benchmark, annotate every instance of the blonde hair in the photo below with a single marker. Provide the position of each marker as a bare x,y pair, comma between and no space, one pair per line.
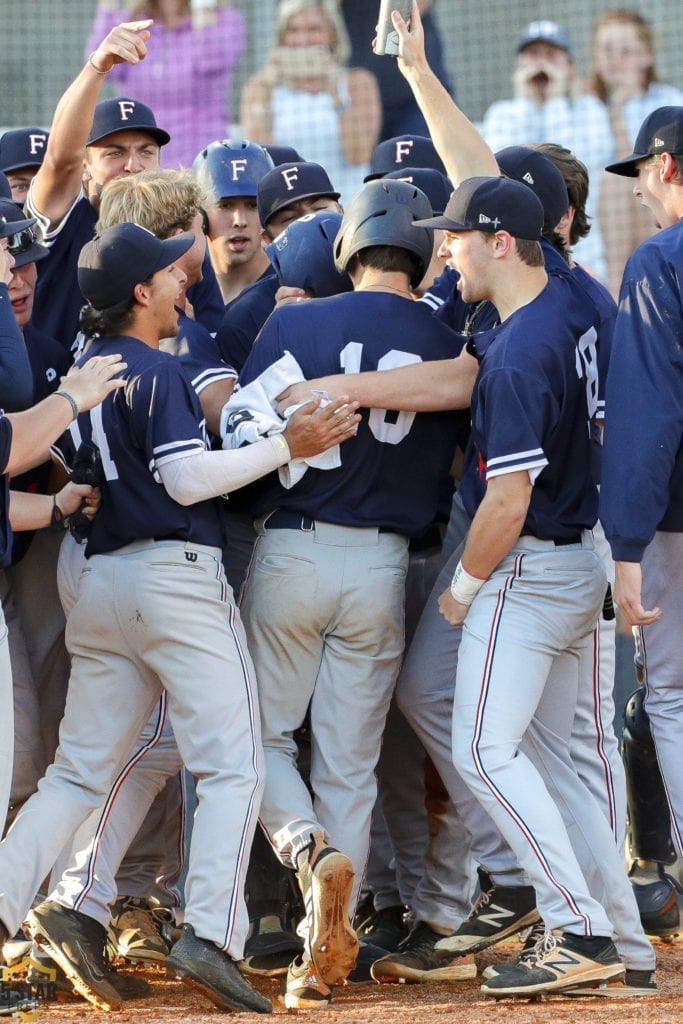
160,201
623,16
341,46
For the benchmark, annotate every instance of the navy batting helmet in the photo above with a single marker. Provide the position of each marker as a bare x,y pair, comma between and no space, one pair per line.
232,167
303,255
382,213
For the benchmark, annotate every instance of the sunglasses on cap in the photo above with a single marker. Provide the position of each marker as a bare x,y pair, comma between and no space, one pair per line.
21,241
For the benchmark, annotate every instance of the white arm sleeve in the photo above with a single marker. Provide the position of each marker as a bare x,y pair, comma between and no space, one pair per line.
210,474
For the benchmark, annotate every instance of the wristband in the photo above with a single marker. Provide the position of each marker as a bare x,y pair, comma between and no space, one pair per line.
70,400
94,67
464,586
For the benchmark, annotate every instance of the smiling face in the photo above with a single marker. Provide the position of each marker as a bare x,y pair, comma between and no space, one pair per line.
164,291
118,156
21,292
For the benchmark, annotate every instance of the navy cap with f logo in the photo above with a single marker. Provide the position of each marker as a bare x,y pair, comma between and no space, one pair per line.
288,183
125,115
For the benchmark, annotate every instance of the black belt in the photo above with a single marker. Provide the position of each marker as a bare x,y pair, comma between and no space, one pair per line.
561,542
288,519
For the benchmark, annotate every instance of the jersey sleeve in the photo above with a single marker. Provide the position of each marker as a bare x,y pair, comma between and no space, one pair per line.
5,442
165,415
16,378
514,412
644,421
267,349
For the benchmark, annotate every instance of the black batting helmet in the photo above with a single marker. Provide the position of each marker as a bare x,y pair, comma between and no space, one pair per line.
382,213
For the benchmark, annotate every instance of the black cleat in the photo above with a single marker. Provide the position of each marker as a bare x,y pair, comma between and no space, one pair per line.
499,912
558,964
206,968
415,961
76,942
658,904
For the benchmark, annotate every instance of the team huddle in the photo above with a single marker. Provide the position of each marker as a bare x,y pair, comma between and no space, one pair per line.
345,497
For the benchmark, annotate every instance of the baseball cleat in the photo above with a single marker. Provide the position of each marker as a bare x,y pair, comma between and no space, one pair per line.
415,961
499,912
558,964
537,932
635,984
134,931
305,989
201,965
326,880
76,942
657,904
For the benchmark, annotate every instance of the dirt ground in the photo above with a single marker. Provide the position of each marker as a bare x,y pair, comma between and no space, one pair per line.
171,1003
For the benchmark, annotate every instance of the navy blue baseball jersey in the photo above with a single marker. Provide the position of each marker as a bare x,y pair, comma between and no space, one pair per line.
16,380
154,419
391,473
244,317
198,353
642,477
206,299
5,529
58,300
531,406
49,362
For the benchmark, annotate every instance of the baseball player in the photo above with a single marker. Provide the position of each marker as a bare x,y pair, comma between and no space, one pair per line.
541,477
330,567
230,171
177,630
21,154
642,432
25,436
285,193
36,623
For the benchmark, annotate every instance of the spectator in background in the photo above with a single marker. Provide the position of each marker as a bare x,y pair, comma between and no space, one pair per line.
187,75
547,108
305,95
624,77
400,113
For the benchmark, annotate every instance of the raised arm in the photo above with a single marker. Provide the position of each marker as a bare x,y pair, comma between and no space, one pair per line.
58,182
458,143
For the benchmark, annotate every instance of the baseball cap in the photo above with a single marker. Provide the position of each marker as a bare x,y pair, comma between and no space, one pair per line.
5,187
125,115
522,163
660,132
122,256
491,204
403,151
22,147
23,237
435,185
289,183
545,32
283,154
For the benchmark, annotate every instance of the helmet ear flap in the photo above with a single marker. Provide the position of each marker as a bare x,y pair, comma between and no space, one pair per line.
303,255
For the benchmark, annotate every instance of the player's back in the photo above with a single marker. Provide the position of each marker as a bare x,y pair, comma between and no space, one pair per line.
391,472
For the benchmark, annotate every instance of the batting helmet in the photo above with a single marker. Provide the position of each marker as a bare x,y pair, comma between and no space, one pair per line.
232,167
303,255
382,213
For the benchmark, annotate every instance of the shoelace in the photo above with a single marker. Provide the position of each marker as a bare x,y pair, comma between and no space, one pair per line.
544,945
483,900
